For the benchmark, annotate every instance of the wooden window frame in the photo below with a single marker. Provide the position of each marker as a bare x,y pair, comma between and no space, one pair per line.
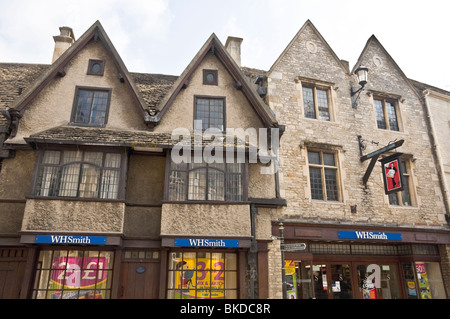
105,150
75,106
91,63
206,97
200,254
40,267
244,183
322,168
214,73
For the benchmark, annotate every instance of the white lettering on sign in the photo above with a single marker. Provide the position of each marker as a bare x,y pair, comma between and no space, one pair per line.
370,235
70,240
207,243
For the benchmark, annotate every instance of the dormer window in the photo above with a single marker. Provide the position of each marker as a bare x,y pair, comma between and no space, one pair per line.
209,112
91,106
96,67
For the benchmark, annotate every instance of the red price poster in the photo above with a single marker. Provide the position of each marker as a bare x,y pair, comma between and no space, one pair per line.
78,278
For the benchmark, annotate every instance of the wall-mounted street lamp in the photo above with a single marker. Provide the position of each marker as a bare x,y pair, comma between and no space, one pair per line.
361,73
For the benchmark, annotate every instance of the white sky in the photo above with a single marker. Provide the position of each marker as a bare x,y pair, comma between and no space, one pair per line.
162,36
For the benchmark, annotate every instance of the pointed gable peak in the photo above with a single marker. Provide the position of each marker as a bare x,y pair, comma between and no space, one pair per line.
375,60
58,68
309,25
214,45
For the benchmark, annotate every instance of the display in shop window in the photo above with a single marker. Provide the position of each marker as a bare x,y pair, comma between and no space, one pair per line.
195,279
78,278
422,278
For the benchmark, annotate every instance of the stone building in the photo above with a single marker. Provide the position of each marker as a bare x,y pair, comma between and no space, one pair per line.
141,185
94,205
344,237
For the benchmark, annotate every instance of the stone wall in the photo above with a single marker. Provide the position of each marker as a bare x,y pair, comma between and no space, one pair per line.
308,59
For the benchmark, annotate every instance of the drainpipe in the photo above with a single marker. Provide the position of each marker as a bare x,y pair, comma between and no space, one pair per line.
253,253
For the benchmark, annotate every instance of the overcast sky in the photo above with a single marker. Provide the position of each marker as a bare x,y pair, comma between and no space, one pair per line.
162,36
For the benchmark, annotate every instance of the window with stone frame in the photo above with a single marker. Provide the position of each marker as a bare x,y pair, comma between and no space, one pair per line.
386,113
406,196
316,102
323,175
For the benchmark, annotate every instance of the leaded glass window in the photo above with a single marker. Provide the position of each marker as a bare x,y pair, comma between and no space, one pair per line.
91,107
323,175
316,103
386,115
81,174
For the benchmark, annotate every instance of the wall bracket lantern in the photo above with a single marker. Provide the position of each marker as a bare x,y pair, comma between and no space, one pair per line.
361,73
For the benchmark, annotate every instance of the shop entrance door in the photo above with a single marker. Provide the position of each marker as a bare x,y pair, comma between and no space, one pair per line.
332,281
140,280
378,281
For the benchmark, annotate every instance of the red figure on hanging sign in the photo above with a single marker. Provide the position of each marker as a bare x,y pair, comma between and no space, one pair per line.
392,175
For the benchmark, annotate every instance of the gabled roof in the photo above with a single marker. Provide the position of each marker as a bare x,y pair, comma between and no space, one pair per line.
308,23
215,46
375,41
94,33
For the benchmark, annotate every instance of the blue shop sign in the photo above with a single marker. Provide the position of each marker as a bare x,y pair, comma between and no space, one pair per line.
70,240
207,243
368,235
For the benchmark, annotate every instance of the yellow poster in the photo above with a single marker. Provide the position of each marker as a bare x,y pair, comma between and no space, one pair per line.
200,278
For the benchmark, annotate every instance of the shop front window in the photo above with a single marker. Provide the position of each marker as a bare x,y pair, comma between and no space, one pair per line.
298,279
73,274
423,280
202,275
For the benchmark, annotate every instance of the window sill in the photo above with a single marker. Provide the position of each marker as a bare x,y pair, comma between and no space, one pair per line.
403,206
329,202
86,125
207,202
76,199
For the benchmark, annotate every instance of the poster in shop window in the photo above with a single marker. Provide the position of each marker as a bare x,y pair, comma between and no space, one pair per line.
200,278
392,174
78,278
424,285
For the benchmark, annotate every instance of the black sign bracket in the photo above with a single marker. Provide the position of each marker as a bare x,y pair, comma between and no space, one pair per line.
374,157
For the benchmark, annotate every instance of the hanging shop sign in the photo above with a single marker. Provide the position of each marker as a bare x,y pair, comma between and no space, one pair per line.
392,173
206,242
70,240
369,235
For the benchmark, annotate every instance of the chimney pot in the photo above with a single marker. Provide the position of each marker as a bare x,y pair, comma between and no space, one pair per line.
62,42
233,46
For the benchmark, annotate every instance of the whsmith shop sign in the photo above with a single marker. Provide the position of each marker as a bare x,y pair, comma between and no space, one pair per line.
70,240
206,243
369,235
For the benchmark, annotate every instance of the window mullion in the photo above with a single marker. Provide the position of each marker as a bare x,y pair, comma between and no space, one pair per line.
386,115
316,104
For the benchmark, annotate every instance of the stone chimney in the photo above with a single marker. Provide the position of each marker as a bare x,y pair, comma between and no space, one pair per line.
233,46
62,42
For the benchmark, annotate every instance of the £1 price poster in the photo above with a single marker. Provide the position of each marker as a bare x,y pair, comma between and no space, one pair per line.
78,277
